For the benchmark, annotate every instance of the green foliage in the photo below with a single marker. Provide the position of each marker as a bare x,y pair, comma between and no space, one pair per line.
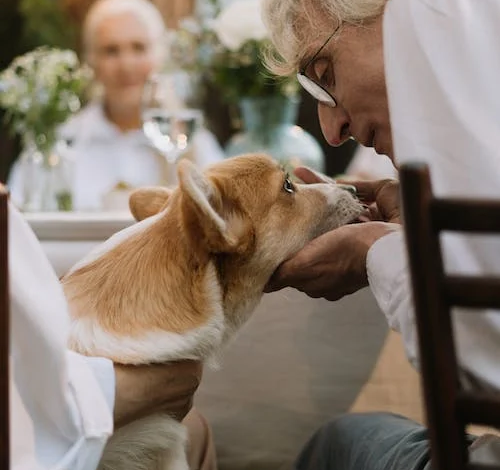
242,73
45,24
235,73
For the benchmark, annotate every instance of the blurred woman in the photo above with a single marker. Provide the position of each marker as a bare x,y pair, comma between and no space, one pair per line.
123,43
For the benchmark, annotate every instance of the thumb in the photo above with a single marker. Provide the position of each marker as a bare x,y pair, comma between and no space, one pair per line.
368,191
309,176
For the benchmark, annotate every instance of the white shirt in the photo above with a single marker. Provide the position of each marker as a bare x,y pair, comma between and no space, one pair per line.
61,402
442,71
104,156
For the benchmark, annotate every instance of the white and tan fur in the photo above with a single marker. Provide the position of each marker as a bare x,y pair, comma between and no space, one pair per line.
182,280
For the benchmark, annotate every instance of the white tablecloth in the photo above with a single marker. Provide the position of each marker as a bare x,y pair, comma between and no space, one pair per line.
68,236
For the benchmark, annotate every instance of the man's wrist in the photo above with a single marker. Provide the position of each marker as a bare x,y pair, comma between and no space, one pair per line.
390,241
374,231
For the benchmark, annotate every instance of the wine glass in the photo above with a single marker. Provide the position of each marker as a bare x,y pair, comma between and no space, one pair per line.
167,124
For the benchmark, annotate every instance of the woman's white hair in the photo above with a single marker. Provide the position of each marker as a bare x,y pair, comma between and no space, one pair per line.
143,10
290,22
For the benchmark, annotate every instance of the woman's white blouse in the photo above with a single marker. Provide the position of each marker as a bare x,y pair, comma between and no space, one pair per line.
105,156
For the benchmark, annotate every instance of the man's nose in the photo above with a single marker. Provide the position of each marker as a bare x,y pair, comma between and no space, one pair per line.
334,124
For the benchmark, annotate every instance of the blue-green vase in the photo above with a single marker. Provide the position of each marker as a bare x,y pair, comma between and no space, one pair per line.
269,127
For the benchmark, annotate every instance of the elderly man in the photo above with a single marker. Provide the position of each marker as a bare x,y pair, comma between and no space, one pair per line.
416,80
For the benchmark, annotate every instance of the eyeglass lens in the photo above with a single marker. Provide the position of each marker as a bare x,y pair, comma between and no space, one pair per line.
315,90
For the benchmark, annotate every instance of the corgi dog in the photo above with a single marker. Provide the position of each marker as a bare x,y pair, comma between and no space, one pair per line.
179,283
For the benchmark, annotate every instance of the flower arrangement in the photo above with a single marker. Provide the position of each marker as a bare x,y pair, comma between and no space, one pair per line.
224,47
40,90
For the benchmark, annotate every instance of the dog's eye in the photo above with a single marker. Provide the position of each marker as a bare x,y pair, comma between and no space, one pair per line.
288,186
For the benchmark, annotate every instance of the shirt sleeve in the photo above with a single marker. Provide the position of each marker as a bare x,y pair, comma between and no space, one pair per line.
62,414
92,385
442,87
389,280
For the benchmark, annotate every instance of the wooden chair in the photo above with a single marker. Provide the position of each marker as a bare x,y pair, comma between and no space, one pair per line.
449,407
4,333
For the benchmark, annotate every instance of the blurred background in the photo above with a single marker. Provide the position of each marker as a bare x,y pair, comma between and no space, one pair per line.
27,24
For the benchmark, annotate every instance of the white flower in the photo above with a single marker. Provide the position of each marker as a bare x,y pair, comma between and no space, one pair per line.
239,22
190,25
39,90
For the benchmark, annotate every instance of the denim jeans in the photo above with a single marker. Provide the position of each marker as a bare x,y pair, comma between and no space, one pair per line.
367,441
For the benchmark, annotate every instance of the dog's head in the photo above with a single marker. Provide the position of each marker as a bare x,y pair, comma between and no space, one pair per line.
192,270
249,216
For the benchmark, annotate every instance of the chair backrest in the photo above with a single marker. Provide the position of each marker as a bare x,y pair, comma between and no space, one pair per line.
449,407
4,332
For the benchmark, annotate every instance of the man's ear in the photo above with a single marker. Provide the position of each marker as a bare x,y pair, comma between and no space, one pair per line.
209,213
145,202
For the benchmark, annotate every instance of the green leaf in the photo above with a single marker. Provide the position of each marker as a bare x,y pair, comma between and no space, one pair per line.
45,23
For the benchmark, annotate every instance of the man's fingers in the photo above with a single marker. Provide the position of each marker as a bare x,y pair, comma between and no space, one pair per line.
177,409
368,191
289,274
277,282
310,176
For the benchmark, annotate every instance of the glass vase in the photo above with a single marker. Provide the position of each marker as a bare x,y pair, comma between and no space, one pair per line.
47,177
269,127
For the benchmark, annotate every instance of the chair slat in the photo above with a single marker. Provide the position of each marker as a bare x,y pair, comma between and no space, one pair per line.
475,292
465,215
4,333
426,216
435,333
478,408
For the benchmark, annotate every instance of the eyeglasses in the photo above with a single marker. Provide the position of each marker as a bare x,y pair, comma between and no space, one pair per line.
313,88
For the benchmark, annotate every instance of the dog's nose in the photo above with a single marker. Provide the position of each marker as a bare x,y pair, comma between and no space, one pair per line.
348,187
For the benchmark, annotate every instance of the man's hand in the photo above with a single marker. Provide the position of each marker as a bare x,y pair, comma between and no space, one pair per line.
332,265
147,389
381,196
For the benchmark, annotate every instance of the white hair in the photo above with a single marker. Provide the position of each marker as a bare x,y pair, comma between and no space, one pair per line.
287,21
145,11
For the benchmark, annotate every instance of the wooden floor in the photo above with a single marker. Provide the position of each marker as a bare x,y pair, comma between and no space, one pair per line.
394,384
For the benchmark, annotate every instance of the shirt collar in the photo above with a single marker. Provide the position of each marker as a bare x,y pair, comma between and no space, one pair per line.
91,124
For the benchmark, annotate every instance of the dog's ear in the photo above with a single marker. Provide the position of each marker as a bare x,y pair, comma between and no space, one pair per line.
207,210
145,202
